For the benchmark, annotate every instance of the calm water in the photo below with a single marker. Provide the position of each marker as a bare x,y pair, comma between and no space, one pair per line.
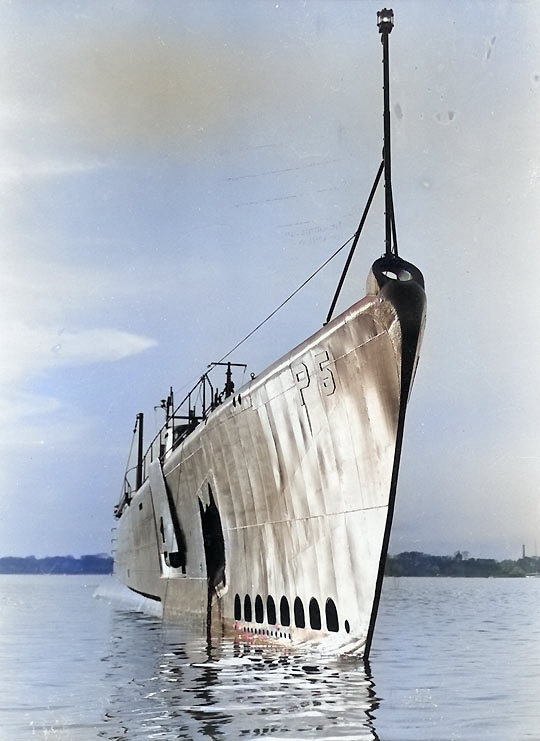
452,659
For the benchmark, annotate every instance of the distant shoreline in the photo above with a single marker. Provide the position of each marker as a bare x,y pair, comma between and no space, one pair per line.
414,563
409,563
94,564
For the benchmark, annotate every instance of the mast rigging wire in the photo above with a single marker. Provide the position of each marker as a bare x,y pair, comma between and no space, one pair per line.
278,308
292,295
353,246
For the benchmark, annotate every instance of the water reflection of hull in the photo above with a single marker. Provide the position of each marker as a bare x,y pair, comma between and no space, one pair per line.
272,516
169,685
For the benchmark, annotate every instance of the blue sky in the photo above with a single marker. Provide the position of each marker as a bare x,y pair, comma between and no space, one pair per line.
171,171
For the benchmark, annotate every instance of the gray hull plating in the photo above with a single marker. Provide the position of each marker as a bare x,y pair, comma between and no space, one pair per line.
272,517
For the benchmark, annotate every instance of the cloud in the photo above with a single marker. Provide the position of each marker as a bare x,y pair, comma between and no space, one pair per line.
55,314
31,421
33,349
97,345
49,307
29,418
21,167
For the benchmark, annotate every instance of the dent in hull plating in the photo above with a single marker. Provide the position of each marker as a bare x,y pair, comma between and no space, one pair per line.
273,515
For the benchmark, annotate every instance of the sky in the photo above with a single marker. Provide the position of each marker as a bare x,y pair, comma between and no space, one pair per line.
171,171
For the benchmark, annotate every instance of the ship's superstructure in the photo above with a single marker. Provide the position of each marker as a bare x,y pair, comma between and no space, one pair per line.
267,510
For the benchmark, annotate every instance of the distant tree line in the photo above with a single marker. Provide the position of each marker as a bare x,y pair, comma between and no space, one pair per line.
410,563
413,563
98,564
